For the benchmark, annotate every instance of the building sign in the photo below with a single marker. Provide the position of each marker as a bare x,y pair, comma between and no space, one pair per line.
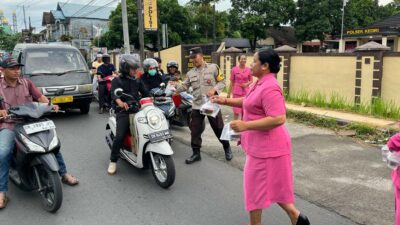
150,15
365,31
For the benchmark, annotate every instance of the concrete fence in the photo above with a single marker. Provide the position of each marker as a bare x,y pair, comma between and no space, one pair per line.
357,77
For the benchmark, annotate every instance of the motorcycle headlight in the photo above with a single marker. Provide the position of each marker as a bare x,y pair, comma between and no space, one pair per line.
32,146
154,119
54,142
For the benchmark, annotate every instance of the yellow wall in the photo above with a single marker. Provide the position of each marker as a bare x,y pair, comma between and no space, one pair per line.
174,53
324,74
367,77
391,79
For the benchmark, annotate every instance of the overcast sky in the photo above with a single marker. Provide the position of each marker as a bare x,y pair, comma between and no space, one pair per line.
35,8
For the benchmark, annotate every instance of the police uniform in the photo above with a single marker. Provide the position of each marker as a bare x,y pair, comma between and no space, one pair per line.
202,80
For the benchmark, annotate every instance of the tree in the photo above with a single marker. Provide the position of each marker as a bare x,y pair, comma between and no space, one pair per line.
8,41
313,20
114,37
361,13
259,15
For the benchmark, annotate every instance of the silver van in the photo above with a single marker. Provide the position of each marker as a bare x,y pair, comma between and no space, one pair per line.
59,71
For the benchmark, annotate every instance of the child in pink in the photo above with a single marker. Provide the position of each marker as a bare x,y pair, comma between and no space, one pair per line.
394,145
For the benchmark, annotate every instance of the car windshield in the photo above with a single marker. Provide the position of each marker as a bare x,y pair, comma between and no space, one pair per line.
53,61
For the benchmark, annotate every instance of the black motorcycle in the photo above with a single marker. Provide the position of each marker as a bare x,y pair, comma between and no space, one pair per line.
177,108
163,101
34,166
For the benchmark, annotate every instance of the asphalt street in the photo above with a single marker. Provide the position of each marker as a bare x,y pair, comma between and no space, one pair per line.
209,192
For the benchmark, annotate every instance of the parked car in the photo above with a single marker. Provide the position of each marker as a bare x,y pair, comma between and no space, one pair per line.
60,70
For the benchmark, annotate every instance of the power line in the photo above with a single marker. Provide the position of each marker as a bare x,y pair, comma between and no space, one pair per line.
100,8
84,7
65,3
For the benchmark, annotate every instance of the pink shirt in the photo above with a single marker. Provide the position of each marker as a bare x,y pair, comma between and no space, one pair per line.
24,92
239,77
394,145
265,99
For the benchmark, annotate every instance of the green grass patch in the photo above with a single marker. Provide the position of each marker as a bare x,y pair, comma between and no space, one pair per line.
377,107
362,131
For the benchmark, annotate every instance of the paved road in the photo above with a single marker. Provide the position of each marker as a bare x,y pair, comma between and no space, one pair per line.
206,193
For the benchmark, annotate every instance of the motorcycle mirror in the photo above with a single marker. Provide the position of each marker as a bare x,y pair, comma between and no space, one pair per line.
162,85
118,92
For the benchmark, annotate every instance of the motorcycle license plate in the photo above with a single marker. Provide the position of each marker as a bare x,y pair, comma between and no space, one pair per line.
39,127
62,99
159,136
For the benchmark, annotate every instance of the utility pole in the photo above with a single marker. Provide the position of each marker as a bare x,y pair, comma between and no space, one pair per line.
127,46
141,28
214,34
23,9
341,43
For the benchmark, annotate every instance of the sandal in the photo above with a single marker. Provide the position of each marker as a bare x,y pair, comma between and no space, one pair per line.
3,202
70,180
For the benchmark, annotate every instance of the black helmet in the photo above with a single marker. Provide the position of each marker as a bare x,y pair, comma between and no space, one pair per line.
149,62
127,62
172,63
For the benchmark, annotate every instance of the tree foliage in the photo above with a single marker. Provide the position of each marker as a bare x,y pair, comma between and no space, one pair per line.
8,41
259,15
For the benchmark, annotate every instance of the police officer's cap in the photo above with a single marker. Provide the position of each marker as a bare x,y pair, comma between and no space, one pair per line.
194,51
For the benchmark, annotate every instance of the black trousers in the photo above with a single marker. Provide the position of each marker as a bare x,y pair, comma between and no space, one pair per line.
104,96
197,127
122,131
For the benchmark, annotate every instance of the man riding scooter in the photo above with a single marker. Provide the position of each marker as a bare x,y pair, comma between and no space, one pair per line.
123,106
16,91
103,73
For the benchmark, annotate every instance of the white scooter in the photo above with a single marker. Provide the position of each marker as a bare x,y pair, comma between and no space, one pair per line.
151,147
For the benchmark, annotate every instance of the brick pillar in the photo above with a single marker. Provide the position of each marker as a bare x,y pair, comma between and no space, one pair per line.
283,77
369,71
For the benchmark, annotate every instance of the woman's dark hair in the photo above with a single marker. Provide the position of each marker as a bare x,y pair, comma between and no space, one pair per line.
158,59
272,58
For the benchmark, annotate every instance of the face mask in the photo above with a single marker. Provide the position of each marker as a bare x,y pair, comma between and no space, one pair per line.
152,72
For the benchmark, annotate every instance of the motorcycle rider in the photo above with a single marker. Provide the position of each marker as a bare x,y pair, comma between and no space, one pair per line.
173,73
151,78
15,91
104,70
123,106
159,69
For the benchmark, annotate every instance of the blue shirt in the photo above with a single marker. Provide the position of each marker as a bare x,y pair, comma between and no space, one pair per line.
106,70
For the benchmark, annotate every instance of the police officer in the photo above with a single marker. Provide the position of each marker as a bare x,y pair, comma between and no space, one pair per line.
123,106
205,80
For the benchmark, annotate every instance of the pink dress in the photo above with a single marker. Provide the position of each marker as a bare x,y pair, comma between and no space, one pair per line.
394,145
239,77
268,169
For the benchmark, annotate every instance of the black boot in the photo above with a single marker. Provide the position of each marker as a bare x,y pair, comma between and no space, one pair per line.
195,157
228,153
302,220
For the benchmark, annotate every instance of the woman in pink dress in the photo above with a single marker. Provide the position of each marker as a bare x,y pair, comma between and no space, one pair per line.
394,145
241,79
268,169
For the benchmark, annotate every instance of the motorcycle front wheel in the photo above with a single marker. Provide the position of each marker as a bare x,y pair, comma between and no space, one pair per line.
51,195
164,174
